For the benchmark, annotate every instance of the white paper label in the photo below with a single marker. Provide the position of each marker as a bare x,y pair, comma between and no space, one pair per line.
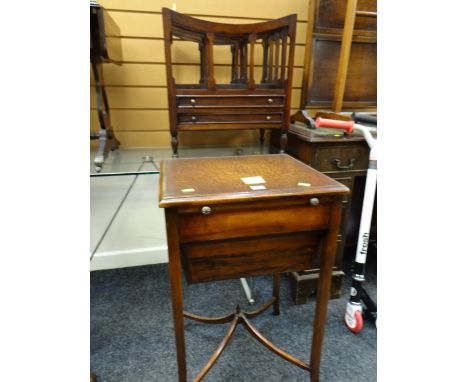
188,190
258,187
303,184
253,180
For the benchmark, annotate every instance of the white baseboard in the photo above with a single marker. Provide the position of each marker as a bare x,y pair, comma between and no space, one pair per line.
129,258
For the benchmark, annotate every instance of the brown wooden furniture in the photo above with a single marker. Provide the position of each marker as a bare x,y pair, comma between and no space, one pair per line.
340,71
103,50
340,64
345,50
247,101
232,217
345,159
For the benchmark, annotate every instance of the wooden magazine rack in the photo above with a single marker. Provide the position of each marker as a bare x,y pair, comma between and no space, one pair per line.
247,101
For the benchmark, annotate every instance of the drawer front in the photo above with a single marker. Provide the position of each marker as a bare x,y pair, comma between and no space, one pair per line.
219,224
223,101
227,259
341,158
230,118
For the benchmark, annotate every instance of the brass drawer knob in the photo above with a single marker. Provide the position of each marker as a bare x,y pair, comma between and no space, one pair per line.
314,201
270,100
268,117
194,118
193,101
206,210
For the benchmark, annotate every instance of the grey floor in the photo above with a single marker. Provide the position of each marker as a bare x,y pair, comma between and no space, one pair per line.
132,332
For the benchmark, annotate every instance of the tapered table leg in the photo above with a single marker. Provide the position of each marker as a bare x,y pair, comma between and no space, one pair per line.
175,276
323,290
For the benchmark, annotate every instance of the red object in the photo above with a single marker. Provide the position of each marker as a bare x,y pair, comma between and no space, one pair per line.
358,323
334,124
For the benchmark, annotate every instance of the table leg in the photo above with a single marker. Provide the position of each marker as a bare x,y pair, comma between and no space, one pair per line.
323,290
283,141
262,136
175,275
174,144
106,136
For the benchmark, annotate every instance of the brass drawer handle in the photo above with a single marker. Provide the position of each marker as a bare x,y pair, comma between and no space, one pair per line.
270,100
350,164
206,210
193,101
268,117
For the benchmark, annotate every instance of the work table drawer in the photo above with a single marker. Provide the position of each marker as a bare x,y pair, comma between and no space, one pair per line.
220,223
255,256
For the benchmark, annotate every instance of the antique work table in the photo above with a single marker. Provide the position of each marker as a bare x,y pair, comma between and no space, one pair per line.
231,217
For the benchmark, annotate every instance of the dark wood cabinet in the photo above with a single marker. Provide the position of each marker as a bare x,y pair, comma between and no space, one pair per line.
247,102
345,159
321,65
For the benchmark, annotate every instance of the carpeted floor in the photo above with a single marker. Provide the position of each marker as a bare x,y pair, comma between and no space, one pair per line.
132,333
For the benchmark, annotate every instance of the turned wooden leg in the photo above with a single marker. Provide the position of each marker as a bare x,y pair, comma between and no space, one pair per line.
283,141
174,144
262,136
276,293
115,143
107,139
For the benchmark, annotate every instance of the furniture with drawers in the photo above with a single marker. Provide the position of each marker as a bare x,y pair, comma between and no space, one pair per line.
231,217
251,100
345,159
331,80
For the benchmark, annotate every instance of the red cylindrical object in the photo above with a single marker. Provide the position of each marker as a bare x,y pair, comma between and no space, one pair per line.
334,124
